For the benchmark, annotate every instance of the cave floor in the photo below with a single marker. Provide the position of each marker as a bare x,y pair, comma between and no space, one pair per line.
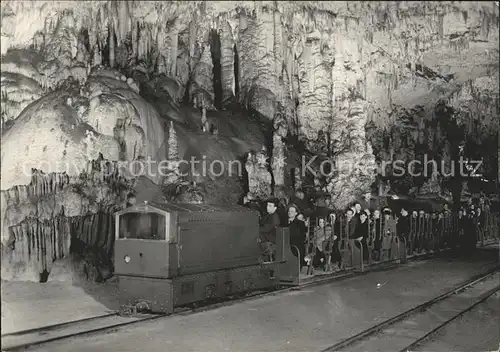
309,319
30,305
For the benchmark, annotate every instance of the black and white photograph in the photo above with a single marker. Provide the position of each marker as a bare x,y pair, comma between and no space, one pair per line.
250,176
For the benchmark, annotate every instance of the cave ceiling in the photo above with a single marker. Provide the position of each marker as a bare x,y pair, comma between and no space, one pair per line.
330,65
426,48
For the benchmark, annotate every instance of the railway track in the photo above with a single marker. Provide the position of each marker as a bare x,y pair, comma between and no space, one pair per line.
409,329
26,339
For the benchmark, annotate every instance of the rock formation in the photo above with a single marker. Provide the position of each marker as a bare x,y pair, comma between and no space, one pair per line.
172,156
259,177
89,92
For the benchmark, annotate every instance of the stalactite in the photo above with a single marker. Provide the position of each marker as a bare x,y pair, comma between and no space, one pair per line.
142,48
135,35
123,20
111,45
278,163
227,63
173,155
173,54
162,66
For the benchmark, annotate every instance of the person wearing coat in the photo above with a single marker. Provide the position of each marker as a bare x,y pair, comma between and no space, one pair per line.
388,231
320,237
333,238
297,230
377,234
361,235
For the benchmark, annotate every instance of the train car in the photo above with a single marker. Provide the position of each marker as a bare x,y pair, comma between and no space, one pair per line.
169,255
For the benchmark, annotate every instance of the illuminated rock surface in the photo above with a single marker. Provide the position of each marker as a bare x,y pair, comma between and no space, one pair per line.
356,82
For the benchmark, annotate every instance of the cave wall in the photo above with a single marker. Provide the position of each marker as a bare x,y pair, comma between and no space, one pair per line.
356,82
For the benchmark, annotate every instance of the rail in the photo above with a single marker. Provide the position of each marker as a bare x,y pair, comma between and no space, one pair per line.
380,334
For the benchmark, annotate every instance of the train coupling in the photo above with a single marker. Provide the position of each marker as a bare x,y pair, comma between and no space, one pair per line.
132,309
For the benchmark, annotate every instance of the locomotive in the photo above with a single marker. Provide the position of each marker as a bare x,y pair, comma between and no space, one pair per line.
169,255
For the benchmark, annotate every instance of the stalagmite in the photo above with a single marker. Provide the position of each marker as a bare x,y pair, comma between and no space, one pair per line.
174,41
111,45
297,174
278,163
227,63
172,155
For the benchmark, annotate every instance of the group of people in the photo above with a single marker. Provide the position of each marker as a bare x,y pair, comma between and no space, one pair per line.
318,232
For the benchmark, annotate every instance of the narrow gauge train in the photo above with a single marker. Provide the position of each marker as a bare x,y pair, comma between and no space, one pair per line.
169,255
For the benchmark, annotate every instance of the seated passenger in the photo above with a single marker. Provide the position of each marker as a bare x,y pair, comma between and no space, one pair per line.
403,225
300,200
297,232
250,202
357,209
268,226
389,229
282,212
319,242
377,234
351,224
361,235
333,240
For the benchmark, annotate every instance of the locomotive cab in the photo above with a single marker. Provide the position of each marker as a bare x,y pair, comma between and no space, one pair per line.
168,255
142,242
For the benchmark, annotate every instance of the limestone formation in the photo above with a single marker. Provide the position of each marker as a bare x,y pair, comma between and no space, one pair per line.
357,82
431,187
465,193
297,178
259,177
172,156
278,162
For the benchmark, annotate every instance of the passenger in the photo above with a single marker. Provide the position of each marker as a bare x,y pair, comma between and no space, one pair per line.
297,230
351,224
366,202
434,231
268,227
361,235
282,212
334,240
377,235
389,229
403,225
357,209
299,200
447,228
370,239
321,209
440,230
460,220
328,203
420,231
426,239
319,242
250,202
446,208
472,237
479,223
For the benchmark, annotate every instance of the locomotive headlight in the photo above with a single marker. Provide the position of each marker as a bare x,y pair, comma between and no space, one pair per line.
127,259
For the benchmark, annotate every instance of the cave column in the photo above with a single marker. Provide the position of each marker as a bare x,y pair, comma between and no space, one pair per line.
257,62
227,63
111,45
279,48
174,43
161,66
